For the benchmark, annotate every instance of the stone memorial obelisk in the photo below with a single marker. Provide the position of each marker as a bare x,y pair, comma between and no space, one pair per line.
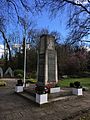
47,60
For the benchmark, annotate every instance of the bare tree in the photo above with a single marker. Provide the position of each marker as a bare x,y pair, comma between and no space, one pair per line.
28,27
34,36
2,30
58,5
14,7
10,10
78,12
79,29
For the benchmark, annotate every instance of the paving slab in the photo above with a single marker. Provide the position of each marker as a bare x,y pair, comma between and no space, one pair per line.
14,107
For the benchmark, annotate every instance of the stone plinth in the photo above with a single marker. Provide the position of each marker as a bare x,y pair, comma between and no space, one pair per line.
18,89
41,99
77,91
47,60
55,90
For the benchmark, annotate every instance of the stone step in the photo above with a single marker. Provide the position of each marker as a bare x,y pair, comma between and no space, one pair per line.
62,98
30,92
27,95
62,93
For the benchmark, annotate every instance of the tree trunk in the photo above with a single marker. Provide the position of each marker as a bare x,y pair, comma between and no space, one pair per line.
4,37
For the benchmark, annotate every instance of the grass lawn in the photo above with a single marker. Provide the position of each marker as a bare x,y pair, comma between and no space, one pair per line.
32,81
84,82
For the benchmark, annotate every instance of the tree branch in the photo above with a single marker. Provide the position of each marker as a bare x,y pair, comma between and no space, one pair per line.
71,2
25,5
4,37
14,7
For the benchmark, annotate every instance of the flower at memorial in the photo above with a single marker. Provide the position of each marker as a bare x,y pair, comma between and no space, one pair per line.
41,89
50,85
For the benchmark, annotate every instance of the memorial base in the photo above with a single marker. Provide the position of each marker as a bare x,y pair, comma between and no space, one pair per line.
55,90
18,89
41,98
77,91
27,85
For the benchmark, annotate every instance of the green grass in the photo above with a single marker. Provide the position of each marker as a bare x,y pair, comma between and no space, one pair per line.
32,81
84,82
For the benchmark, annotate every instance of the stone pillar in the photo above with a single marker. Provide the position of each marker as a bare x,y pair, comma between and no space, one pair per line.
47,60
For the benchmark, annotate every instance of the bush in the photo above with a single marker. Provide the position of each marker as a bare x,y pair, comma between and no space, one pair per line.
33,75
19,76
18,73
71,84
2,83
33,81
77,84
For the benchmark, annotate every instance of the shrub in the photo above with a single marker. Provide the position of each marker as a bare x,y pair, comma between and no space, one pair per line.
2,83
18,72
33,81
77,84
19,75
33,75
71,84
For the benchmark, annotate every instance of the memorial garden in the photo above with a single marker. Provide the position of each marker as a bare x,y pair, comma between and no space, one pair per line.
45,60
46,88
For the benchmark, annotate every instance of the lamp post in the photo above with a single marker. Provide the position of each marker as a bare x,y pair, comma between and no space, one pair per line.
24,62
18,46
25,52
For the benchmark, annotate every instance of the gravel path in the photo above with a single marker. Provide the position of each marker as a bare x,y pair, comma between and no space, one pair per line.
14,107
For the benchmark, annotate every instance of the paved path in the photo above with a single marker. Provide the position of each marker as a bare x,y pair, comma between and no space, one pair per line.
14,107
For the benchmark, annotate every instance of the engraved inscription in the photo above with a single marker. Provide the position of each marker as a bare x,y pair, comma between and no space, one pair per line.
51,66
41,75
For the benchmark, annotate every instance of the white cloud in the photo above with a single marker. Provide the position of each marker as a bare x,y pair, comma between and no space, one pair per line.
86,47
81,1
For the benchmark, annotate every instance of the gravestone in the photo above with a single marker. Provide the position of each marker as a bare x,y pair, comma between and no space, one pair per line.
47,60
1,72
9,73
